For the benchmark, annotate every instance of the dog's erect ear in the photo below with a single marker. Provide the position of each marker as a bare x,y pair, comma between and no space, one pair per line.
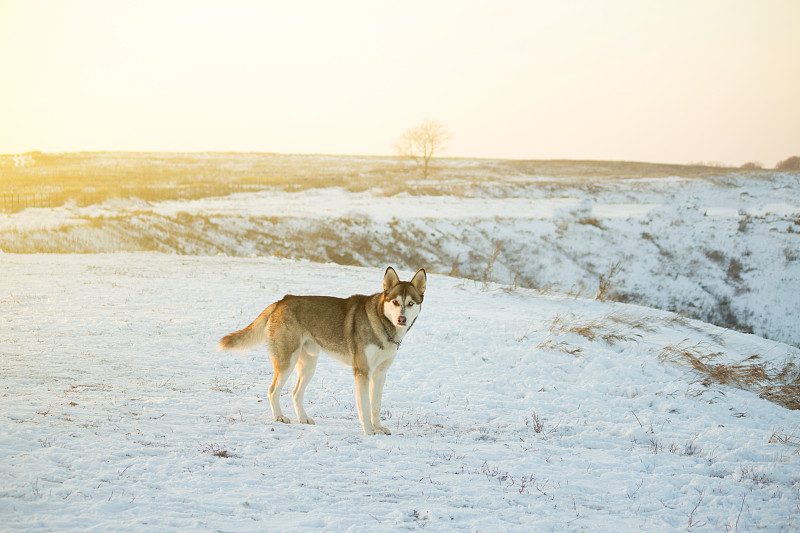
420,280
390,279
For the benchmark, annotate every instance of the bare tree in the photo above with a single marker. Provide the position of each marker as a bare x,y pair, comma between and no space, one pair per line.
421,143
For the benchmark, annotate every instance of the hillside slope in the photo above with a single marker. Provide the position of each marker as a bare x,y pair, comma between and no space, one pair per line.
722,249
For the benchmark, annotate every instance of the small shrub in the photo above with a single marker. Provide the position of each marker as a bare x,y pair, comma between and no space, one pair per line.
216,450
735,270
744,222
716,256
792,163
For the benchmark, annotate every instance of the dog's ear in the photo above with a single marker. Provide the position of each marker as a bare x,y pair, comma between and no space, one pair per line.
420,280
390,279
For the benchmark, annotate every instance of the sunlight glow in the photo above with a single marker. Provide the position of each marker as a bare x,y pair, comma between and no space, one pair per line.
671,82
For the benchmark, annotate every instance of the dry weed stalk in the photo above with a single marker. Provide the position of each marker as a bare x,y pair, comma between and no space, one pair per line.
786,439
487,276
604,290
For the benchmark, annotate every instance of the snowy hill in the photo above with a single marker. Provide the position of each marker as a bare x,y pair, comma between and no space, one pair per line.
510,410
723,248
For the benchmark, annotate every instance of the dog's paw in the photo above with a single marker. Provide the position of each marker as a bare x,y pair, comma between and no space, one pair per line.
307,420
283,419
381,429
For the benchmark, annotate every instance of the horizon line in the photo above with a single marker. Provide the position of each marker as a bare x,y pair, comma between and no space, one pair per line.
707,164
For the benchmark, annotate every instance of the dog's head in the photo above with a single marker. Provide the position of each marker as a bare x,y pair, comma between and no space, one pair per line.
402,299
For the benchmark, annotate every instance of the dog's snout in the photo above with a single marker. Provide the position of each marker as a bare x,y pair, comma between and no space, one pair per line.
401,320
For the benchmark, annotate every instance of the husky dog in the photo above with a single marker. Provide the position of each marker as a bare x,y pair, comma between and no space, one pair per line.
361,331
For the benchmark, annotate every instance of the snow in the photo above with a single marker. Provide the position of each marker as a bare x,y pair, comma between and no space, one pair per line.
722,249
117,413
336,202
622,210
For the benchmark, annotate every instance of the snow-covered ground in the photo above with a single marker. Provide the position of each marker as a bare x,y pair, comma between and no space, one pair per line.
724,249
509,410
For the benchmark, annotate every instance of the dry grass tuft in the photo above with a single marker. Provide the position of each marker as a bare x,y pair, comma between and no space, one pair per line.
591,221
779,386
611,329
553,346
787,395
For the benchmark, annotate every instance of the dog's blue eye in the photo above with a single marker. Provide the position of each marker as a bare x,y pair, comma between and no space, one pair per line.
411,304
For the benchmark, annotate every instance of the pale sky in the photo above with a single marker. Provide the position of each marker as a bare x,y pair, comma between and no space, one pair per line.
673,81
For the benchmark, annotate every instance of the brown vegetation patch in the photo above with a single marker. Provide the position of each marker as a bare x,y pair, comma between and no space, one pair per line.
781,386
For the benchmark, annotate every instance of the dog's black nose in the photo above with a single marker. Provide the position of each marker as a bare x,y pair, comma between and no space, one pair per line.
401,321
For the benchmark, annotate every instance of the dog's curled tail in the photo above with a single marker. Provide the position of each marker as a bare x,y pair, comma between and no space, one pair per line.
252,335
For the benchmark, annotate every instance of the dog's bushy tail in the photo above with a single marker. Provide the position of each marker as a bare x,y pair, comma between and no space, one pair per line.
247,338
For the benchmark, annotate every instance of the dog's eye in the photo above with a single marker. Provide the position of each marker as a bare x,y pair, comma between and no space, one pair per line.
411,304
396,303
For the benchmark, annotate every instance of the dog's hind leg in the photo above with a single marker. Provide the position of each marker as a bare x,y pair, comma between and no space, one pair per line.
279,378
305,367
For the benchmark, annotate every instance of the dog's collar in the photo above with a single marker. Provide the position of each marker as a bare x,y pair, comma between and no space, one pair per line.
389,335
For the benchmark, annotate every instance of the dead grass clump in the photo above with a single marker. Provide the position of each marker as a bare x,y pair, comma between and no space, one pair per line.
591,221
606,329
561,346
699,358
696,356
781,386
787,395
634,322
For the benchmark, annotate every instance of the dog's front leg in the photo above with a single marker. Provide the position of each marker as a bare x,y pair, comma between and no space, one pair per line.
362,403
376,394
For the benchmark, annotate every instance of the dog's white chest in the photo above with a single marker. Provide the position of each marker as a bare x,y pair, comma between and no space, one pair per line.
377,356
